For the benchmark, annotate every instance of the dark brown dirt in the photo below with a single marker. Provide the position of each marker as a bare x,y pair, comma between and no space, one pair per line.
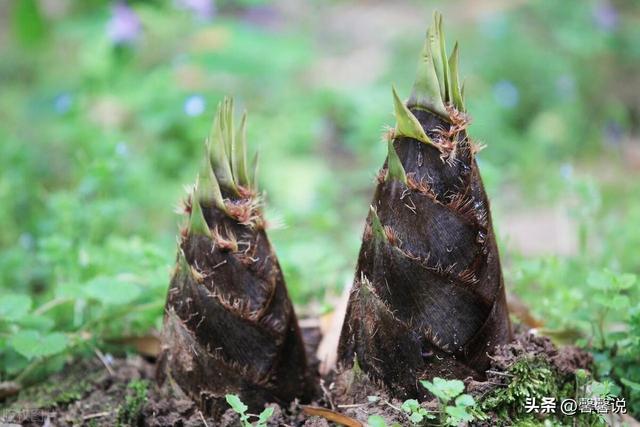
565,359
96,395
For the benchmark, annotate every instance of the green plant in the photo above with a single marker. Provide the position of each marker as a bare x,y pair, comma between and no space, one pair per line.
618,360
455,408
378,421
129,411
241,409
415,411
86,309
593,307
610,293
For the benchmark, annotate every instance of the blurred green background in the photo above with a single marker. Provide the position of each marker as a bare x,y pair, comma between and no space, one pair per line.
104,107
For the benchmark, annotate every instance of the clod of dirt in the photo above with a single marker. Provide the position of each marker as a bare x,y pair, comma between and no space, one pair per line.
565,359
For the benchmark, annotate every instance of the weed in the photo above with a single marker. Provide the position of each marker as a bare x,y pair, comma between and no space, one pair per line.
241,409
416,412
378,421
455,408
129,411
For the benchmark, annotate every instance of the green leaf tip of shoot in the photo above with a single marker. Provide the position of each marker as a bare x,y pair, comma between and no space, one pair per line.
376,226
426,93
197,223
406,122
228,149
236,404
239,154
182,263
455,91
254,169
437,83
446,73
182,266
396,170
208,190
357,370
227,128
438,54
218,150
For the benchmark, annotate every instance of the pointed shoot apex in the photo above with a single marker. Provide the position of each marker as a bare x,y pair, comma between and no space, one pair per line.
426,93
434,87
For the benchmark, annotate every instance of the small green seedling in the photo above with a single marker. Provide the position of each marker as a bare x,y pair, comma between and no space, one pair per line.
463,408
610,293
378,421
461,411
416,412
129,411
241,409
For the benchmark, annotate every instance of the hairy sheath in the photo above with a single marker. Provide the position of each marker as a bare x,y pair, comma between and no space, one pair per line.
428,297
229,325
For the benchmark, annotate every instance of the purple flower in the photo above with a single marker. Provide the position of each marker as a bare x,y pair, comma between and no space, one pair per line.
202,9
605,16
124,26
194,105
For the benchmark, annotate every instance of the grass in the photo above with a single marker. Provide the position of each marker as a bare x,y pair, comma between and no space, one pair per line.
129,411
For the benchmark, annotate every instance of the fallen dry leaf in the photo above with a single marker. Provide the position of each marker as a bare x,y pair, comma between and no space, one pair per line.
332,416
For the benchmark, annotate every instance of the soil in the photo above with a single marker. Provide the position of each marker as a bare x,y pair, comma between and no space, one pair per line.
93,393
